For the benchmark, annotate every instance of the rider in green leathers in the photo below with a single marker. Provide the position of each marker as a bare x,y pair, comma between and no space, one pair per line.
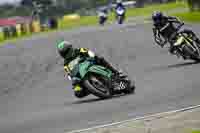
68,53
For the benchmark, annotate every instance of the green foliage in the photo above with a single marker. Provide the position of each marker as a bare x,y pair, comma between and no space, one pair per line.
26,3
196,131
43,2
194,4
83,4
148,10
50,8
189,16
9,10
30,2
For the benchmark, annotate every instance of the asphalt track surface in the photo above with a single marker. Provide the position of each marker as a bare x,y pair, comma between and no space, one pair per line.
35,97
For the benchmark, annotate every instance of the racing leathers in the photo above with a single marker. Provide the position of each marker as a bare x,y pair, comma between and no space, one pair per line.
120,5
165,31
84,52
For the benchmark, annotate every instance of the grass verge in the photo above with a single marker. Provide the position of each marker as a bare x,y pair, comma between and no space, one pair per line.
189,16
148,10
196,131
132,12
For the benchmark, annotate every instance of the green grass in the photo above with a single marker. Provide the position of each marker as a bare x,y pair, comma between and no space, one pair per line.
196,131
189,16
84,21
148,10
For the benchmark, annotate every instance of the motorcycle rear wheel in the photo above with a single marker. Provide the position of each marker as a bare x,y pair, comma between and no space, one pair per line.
98,86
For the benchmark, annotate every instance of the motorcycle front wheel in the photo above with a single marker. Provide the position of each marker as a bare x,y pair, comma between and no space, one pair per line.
189,51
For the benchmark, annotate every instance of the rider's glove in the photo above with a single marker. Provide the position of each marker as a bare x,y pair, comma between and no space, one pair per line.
91,54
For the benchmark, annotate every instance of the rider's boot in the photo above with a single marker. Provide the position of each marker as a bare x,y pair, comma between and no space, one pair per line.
80,92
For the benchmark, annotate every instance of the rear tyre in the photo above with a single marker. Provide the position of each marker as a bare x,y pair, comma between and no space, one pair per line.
102,21
98,86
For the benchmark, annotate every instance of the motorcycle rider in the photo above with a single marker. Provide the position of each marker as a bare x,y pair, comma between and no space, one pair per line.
103,13
165,31
68,53
119,4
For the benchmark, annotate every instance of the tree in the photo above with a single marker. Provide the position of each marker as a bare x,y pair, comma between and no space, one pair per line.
140,3
43,2
26,3
38,2
194,4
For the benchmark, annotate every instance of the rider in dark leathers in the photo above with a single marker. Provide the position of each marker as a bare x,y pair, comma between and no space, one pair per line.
103,15
164,29
68,53
119,4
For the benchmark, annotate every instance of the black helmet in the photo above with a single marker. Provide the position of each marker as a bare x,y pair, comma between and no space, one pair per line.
157,16
65,49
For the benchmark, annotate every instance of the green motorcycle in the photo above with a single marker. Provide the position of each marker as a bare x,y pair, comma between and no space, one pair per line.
96,79
186,45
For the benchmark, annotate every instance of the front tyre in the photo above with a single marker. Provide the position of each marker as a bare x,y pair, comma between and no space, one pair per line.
189,51
102,20
98,86
120,19
194,48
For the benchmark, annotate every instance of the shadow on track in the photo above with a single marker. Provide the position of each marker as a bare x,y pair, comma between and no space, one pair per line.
182,64
179,65
98,99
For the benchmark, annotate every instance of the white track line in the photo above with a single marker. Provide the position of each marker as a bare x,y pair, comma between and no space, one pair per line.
139,118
